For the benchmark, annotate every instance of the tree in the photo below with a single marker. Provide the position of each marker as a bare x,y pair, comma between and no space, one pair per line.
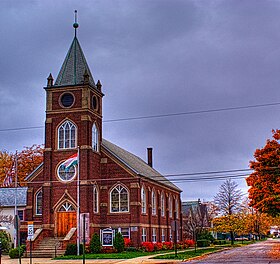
264,182
228,201
95,244
27,161
118,242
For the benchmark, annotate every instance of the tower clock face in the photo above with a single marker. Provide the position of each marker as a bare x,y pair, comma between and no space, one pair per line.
67,99
66,174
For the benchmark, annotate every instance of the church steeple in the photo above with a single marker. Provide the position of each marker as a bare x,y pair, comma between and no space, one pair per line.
75,65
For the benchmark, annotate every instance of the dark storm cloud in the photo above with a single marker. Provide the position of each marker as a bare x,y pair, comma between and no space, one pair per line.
153,57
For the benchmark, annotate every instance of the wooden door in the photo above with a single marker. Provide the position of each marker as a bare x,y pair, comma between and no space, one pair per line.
64,222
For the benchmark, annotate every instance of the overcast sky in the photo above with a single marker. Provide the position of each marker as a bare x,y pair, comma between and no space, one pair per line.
153,57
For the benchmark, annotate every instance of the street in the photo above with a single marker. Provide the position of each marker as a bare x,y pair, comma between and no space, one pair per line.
251,254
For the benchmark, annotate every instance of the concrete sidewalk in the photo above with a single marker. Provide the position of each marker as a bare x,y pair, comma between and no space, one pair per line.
142,260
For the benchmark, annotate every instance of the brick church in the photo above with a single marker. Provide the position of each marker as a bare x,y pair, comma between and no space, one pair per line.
114,188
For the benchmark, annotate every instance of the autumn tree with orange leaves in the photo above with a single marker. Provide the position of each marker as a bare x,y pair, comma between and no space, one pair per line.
27,161
264,182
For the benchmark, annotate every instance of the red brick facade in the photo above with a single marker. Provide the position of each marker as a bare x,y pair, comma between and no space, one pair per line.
101,169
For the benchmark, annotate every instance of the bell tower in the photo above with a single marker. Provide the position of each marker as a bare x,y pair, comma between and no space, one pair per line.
73,124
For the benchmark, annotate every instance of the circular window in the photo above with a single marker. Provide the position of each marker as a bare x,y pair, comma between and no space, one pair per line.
94,102
66,174
67,99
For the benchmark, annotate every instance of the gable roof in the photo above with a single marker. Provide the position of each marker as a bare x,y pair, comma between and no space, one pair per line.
7,196
74,67
132,162
136,164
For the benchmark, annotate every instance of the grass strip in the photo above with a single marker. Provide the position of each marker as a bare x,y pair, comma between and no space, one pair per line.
188,254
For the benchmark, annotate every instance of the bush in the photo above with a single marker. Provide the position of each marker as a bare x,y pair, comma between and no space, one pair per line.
95,244
131,249
71,249
14,252
203,243
119,242
205,235
219,242
148,246
167,245
127,242
189,243
5,238
158,246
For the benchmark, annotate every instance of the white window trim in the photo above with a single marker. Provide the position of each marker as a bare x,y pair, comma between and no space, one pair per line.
120,230
163,235
96,210
154,203
143,200
162,204
128,198
177,208
154,234
58,135
170,206
95,138
36,202
144,234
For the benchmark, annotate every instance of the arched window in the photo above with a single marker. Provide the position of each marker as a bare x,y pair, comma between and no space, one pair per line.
177,208
119,199
95,145
95,199
39,200
162,204
143,200
67,135
66,207
170,206
154,203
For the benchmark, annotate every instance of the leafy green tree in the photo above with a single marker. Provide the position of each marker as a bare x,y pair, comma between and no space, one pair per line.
95,244
5,239
119,242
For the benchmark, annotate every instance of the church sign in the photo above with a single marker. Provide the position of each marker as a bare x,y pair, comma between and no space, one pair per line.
107,237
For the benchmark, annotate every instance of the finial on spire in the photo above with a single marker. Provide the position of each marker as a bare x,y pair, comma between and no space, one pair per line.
50,80
76,25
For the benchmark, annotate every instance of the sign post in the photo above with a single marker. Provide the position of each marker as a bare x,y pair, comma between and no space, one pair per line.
30,232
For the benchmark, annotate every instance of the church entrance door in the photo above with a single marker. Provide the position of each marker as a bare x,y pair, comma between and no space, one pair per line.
66,218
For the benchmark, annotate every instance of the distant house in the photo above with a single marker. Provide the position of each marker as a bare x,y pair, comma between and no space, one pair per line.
194,218
7,208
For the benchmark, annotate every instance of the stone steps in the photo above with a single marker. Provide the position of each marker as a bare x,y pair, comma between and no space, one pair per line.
46,248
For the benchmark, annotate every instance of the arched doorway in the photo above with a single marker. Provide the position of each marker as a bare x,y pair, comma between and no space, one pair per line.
66,218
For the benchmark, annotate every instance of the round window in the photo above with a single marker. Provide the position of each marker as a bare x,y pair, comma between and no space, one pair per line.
66,174
94,102
67,99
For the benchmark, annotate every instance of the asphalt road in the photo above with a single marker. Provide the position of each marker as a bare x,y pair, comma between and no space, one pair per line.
251,254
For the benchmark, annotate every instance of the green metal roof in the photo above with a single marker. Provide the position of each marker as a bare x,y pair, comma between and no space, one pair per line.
74,67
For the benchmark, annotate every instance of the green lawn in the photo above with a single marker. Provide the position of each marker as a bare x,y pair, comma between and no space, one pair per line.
123,255
189,254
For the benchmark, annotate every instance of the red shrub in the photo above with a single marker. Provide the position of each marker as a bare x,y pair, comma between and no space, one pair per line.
158,246
127,242
167,245
189,243
148,246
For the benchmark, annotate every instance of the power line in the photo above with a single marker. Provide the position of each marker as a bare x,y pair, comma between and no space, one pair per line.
161,116
193,112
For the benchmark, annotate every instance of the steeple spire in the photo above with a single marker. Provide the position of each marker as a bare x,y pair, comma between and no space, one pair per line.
75,25
74,65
